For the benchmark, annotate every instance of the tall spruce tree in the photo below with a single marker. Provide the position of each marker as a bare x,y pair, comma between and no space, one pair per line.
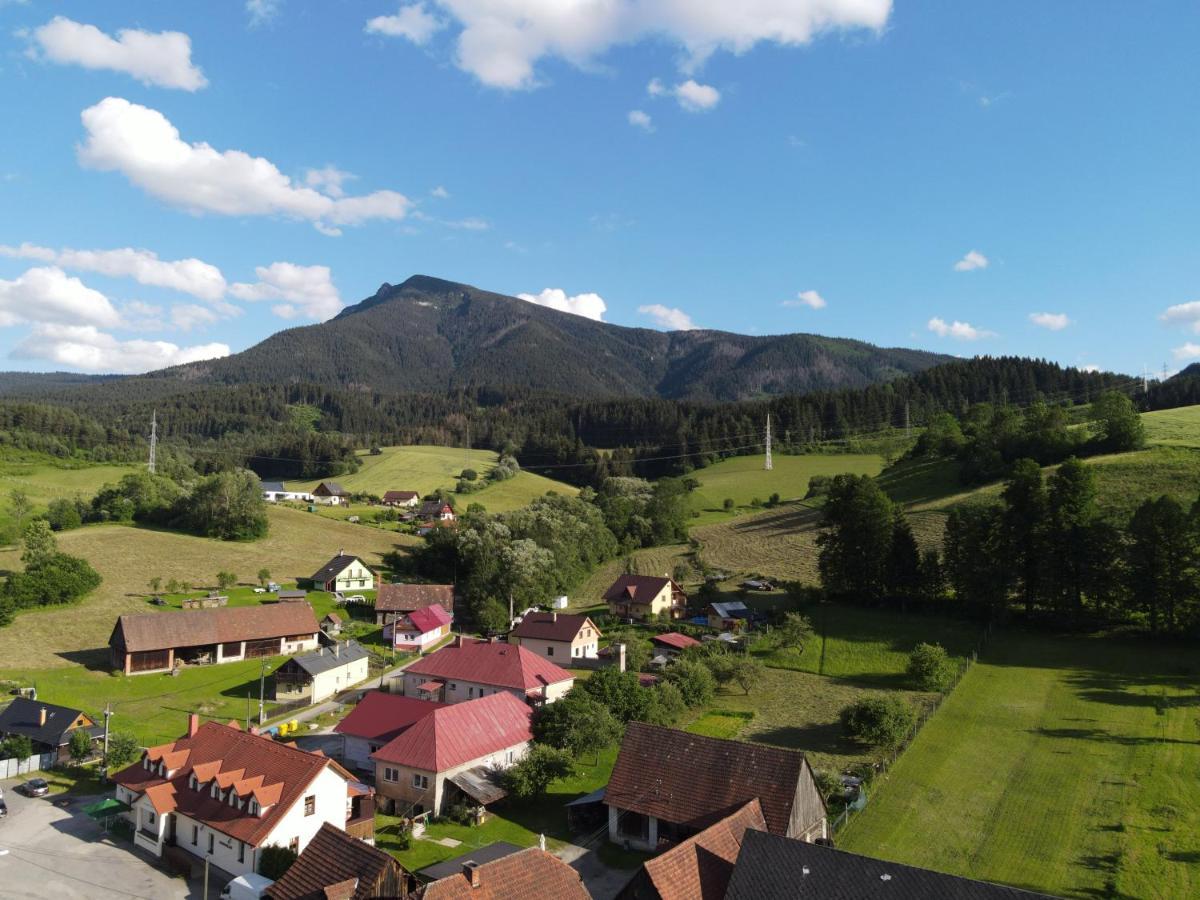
1025,520
855,542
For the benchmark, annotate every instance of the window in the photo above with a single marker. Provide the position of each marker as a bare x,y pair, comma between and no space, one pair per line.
294,845
420,781
390,774
549,651
210,842
453,686
470,692
576,651
195,835
310,804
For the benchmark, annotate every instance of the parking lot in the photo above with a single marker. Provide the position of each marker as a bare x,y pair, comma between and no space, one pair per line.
50,848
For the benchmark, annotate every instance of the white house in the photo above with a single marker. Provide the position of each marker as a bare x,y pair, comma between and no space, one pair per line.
321,673
223,794
418,630
344,572
274,491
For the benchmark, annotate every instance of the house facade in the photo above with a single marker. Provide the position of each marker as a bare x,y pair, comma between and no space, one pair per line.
330,493
222,794
321,673
453,755
402,499
467,669
275,491
642,597
156,642
557,636
345,572
377,719
392,600
49,727
436,511
419,630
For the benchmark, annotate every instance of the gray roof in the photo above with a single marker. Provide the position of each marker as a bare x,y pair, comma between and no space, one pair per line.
275,487
486,854
23,716
335,567
732,609
315,662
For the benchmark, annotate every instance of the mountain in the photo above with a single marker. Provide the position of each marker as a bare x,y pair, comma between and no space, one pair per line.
430,335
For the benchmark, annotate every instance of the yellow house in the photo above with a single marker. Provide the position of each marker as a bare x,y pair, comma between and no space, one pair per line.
643,596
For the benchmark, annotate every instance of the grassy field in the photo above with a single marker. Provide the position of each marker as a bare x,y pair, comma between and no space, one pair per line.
652,561
299,543
1173,427
425,469
743,479
45,479
1066,766
720,723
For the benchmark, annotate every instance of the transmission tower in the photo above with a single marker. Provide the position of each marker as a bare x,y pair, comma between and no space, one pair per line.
153,439
767,464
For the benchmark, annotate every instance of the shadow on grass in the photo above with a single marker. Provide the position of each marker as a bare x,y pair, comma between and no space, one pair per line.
1183,856
822,737
1100,734
93,660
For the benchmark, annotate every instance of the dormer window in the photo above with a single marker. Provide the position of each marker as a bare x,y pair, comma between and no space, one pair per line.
253,808
192,782
215,790
146,763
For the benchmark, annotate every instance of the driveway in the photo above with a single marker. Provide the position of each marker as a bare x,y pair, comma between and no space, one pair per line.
55,850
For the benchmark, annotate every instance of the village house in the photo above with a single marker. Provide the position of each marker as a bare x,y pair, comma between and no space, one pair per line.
557,636
330,493
673,643
667,785
378,718
417,631
331,624
157,642
531,874
393,599
644,596
321,673
336,866
274,491
344,572
731,615
436,511
48,727
453,756
401,499
222,794
466,669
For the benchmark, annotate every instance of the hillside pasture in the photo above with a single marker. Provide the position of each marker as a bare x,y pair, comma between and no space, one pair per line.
1173,427
1062,765
44,479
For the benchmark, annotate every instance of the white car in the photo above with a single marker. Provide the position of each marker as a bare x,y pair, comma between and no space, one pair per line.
356,598
260,590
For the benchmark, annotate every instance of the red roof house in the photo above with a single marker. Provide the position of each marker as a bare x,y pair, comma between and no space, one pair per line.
420,629
673,640
394,599
467,669
377,719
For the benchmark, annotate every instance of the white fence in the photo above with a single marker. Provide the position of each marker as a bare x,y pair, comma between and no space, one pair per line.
11,768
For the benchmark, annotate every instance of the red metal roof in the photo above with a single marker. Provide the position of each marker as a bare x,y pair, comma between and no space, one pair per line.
429,618
676,640
431,687
380,716
460,733
498,664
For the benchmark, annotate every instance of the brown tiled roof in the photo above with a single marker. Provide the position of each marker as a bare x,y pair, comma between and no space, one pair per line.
333,858
275,774
700,867
693,780
532,874
400,495
551,626
638,588
410,597
193,628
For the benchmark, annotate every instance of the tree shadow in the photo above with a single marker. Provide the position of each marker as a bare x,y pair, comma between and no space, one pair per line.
1100,734
818,737
1183,856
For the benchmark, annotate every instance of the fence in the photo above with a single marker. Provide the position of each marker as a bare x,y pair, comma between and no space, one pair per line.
11,768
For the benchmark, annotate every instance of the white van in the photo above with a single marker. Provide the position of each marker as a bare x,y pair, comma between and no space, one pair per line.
246,887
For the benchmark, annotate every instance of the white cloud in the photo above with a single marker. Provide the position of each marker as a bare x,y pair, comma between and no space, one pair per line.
413,22
186,316
811,299
1050,321
972,261
440,192
190,276
328,180
500,42
1184,314
48,294
590,306
262,11
1187,351
960,331
163,59
668,317
471,223
308,290
696,97
655,88
640,119
145,147
1091,368
87,348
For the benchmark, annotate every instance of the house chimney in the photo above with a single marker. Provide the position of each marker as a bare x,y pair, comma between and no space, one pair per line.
553,617
337,648
471,872
341,551
458,640
193,724
42,716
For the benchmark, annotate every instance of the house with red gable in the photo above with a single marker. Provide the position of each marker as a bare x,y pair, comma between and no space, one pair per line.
466,669
417,631
377,719
223,794
454,756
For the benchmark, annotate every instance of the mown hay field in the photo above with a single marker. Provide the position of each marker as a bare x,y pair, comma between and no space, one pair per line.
1173,427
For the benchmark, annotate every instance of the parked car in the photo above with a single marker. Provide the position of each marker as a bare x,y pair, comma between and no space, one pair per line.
260,590
356,598
3,809
35,787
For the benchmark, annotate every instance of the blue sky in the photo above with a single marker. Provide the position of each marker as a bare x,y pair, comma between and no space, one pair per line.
959,176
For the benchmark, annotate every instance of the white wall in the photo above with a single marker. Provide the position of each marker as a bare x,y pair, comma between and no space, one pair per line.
329,683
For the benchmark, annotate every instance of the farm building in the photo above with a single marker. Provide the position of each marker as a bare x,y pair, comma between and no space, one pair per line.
733,614
556,635
331,624
436,511
394,599
344,572
532,873
673,642
48,727
401,499
221,794
156,642
668,785
321,673
453,755
418,630
467,669
378,718
330,493
642,596
274,491
336,865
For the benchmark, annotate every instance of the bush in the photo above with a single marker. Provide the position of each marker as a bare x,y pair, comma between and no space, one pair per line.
931,668
275,860
881,720
123,749
818,486
16,746
57,579
541,765
63,515
80,745
469,475
727,504
695,682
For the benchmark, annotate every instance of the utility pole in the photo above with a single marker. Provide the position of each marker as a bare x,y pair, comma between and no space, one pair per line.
1145,379
153,439
262,688
767,464
206,878
107,716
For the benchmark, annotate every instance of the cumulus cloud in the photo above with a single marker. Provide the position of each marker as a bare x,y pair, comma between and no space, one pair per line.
640,119
590,306
1186,314
1050,321
145,147
48,294
163,59
186,316
328,180
811,299
87,348
669,318
972,261
959,331
440,192
413,22
262,11
696,97
500,42
1187,351
189,276
307,291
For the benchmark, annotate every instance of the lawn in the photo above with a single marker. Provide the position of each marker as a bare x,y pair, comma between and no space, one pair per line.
1063,765
743,479
1173,427
44,479
720,723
